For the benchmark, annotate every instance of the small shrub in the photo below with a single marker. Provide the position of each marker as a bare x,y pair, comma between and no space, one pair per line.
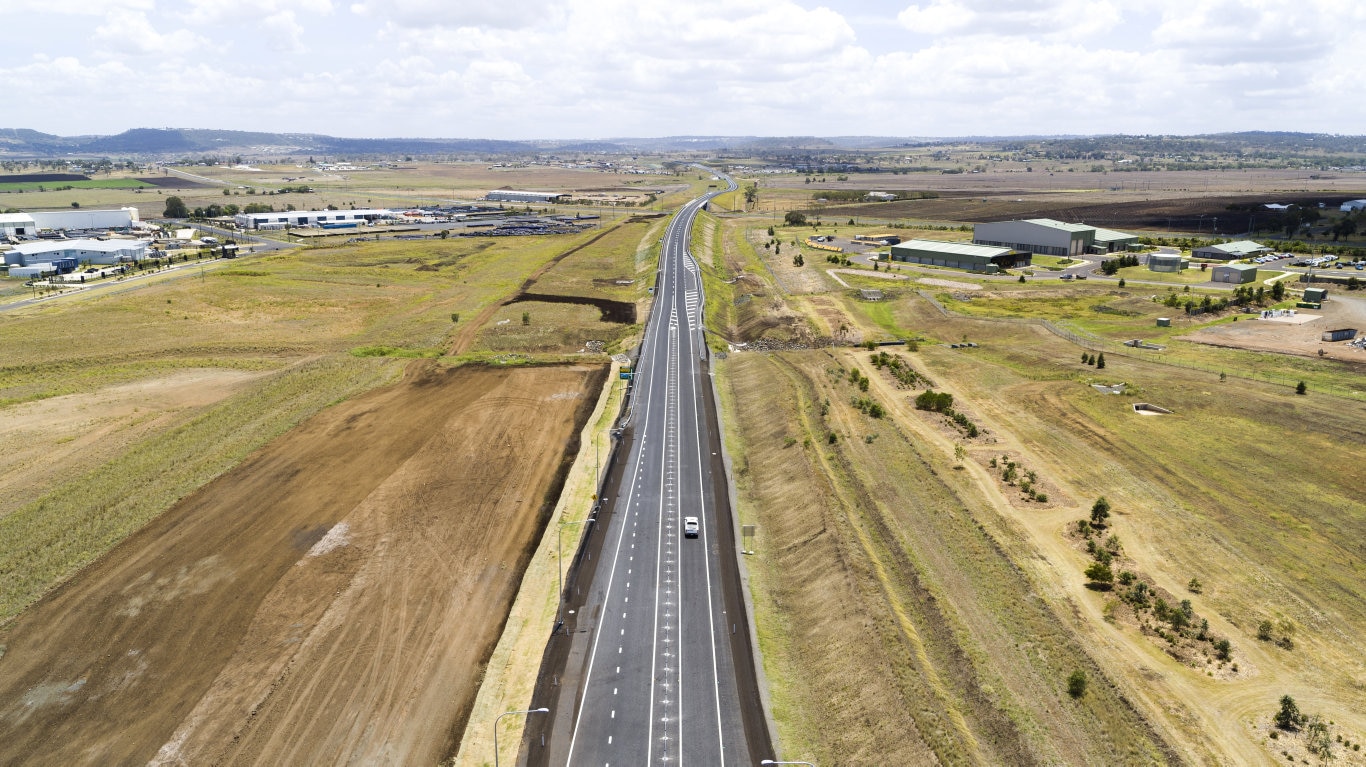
1194,586
1076,683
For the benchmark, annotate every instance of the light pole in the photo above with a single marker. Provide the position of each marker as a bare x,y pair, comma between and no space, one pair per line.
559,567
541,710
770,761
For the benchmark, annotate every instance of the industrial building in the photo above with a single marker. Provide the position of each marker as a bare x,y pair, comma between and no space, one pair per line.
1166,262
1109,241
1236,273
1229,251
511,195
79,251
1043,236
284,219
960,255
1048,237
29,224
1352,205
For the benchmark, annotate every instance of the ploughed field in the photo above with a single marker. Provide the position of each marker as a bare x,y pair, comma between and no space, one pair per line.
332,599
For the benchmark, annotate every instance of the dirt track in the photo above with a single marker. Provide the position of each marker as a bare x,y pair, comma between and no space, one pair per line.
332,600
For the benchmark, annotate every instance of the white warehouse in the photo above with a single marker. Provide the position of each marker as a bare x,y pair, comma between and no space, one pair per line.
83,251
512,195
29,224
282,218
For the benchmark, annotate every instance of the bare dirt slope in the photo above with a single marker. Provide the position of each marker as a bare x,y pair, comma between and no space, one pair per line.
332,600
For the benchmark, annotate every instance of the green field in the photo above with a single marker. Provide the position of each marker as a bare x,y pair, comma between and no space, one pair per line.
58,186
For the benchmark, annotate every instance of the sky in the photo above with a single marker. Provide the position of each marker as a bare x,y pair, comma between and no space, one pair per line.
562,69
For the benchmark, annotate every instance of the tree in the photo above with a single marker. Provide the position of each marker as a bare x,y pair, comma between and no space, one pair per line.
770,231
1022,279
795,218
1100,574
1076,683
1300,388
1289,717
175,208
75,204
1085,358
1278,291
1121,282
797,260
1100,511
751,193
1100,361
526,318
1317,739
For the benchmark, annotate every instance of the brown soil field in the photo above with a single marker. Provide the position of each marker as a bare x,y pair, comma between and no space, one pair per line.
333,599
1343,311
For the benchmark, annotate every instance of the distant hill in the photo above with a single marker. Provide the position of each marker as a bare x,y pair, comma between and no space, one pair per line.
175,143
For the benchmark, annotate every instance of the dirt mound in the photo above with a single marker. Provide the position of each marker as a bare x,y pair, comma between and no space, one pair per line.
333,599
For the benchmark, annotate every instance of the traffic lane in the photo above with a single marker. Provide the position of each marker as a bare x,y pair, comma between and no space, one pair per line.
615,703
701,730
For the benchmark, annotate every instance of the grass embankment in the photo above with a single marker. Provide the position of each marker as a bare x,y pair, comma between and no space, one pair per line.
895,628
1248,488
314,315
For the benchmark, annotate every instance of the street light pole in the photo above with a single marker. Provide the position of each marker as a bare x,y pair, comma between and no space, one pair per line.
542,710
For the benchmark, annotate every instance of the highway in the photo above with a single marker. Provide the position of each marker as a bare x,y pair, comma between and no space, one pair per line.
650,673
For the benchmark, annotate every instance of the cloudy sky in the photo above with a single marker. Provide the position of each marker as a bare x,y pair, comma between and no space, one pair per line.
521,69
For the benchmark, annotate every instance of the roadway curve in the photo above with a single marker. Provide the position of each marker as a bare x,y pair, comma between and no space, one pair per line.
654,664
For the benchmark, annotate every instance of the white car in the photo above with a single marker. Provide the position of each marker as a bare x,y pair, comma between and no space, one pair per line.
690,527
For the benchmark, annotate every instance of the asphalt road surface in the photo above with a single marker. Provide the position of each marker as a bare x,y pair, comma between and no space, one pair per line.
654,664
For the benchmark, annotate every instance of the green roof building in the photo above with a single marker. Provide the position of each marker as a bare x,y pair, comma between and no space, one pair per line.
959,255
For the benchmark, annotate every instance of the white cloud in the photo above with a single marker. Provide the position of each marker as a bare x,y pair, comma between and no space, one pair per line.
251,11
72,7
126,31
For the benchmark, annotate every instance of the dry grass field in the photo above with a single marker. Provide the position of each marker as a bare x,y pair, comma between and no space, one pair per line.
1249,489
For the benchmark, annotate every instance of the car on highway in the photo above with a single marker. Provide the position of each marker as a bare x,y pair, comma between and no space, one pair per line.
690,527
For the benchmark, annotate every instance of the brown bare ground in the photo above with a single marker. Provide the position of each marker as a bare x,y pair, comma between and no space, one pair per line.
1341,311
331,600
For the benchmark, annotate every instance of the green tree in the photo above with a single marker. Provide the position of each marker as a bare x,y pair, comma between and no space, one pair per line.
1076,683
1317,738
1289,717
1300,388
1100,511
526,318
1100,361
1121,282
751,193
175,208
1100,574
1278,291
795,218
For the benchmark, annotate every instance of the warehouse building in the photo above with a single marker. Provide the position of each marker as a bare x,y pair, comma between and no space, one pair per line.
1352,206
17,225
960,255
1236,273
284,219
80,251
1166,262
1043,236
1109,241
123,218
1229,251
29,224
511,195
